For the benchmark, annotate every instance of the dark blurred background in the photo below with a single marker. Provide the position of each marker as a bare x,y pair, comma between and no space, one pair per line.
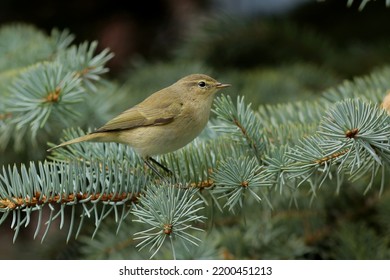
154,30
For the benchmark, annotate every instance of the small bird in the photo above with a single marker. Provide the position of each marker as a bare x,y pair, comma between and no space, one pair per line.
164,122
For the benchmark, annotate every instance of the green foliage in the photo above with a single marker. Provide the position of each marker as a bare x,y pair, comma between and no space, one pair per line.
273,85
25,45
170,212
237,177
88,184
209,43
37,86
40,90
348,244
239,120
369,87
234,186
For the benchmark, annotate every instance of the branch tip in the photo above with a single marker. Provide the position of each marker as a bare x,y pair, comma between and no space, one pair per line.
167,229
53,96
351,133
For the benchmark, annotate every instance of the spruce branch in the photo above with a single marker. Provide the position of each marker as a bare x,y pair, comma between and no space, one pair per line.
241,121
370,88
84,63
353,136
358,122
61,39
288,134
300,112
37,90
86,151
197,161
276,163
236,177
169,212
47,184
308,163
362,129
40,90
193,163
24,45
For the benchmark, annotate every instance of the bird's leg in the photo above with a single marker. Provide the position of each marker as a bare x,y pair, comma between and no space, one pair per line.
150,160
154,169
161,166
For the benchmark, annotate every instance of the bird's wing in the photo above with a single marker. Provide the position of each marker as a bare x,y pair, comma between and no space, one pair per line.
144,114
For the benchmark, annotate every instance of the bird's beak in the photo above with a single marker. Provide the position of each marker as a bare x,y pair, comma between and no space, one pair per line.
220,85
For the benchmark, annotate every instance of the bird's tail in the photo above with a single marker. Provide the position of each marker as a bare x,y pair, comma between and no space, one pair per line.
88,137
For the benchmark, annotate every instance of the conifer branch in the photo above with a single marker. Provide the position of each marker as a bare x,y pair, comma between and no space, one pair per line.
341,137
13,203
242,119
52,183
169,212
237,177
46,86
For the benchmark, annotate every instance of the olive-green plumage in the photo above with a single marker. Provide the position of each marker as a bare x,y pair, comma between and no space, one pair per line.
165,121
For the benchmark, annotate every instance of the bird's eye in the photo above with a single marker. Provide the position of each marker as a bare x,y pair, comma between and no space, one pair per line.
201,84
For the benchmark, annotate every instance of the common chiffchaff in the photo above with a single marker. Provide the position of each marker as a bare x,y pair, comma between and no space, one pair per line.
165,121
